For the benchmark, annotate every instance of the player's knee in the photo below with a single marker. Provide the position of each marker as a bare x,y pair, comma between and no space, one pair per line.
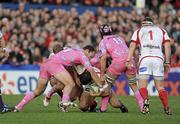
132,80
158,78
53,81
37,93
115,104
144,76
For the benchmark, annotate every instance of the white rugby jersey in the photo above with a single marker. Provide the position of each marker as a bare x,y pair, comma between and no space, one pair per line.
150,39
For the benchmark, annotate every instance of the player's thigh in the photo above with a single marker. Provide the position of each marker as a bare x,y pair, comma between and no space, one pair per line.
85,99
110,78
158,67
144,72
116,67
63,76
53,81
41,86
145,66
75,93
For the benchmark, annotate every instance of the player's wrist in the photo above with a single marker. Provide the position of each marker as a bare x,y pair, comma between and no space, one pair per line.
167,62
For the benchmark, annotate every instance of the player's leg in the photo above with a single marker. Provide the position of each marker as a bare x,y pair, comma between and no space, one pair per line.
145,70
41,85
113,72
86,101
163,95
57,87
68,82
1,101
3,108
75,93
132,81
158,75
114,102
133,85
109,79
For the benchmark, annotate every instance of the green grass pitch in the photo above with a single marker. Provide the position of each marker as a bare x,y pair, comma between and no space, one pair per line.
35,113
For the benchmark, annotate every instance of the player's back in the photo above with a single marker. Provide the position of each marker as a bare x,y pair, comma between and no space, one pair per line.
151,40
115,46
68,56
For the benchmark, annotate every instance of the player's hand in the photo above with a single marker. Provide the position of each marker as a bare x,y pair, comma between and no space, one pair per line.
102,78
128,64
167,67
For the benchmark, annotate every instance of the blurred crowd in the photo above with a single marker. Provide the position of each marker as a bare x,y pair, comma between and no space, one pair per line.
29,35
110,3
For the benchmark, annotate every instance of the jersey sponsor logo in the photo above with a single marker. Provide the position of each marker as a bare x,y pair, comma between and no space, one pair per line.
7,84
151,46
143,69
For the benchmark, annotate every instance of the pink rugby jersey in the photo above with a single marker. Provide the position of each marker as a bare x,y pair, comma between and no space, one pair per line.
70,57
115,46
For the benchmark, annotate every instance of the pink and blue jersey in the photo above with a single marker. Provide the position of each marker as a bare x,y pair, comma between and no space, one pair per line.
115,46
95,60
117,49
70,57
67,57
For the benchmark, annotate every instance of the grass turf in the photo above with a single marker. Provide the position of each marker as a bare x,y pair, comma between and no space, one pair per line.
35,113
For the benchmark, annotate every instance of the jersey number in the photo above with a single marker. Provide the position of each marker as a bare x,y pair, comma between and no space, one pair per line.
151,34
117,40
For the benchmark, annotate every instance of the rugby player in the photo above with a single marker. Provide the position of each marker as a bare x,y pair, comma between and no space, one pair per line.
151,39
86,102
115,47
55,66
3,53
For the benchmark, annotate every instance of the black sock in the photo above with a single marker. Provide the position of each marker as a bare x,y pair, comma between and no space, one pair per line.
1,101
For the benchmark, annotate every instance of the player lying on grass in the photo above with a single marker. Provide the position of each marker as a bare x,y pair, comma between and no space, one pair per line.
115,47
151,39
83,79
55,66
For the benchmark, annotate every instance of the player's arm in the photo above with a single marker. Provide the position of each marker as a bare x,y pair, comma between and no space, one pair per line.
95,77
103,59
167,47
132,48
85,62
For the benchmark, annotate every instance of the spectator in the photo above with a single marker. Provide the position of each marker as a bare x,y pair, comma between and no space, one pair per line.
29,34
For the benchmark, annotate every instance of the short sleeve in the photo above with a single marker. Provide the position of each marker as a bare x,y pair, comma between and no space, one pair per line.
166,38
135,37
85,62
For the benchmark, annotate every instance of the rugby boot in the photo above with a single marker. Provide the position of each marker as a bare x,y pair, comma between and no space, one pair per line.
168,111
